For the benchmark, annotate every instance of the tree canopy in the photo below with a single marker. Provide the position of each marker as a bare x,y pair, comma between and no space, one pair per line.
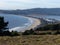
3,24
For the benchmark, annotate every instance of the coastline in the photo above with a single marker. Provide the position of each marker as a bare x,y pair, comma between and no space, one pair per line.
34,22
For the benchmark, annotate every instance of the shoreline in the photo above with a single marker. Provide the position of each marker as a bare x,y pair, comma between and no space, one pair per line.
31,24
34,22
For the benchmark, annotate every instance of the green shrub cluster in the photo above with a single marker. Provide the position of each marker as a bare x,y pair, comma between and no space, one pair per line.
54,28
28,32
50,27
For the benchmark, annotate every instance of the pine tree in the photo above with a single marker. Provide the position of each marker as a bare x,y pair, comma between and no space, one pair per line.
3,24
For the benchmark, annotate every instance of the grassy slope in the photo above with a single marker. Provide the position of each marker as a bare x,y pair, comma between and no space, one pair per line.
31,40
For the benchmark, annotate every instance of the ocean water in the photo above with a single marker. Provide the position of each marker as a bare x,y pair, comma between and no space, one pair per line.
16,23
21,23
57,17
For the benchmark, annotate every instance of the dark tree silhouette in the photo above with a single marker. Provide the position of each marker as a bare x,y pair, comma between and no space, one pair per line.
4,31
3,27
3,24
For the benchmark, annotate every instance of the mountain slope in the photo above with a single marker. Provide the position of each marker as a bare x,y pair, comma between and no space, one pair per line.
43,11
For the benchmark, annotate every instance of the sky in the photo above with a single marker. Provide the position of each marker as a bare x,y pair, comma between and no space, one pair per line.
27,4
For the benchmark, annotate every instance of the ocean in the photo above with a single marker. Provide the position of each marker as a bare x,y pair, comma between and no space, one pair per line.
16,22
19,23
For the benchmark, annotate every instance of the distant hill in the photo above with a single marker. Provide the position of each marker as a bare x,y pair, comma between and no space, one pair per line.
43,11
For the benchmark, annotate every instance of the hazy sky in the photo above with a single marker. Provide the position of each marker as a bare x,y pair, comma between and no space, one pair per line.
26,4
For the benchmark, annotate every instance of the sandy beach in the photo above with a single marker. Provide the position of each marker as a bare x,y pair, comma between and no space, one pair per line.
33,23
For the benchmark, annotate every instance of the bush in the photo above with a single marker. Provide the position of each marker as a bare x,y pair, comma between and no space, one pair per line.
28,32
14,33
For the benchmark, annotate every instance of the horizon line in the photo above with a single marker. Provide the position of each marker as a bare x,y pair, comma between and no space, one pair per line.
30,8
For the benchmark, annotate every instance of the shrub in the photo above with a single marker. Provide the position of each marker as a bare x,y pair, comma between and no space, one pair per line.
28,32
14,33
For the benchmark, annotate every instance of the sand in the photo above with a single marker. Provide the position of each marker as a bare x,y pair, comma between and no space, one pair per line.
34,22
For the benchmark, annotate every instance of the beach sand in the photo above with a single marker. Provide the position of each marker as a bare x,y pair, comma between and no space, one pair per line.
34,22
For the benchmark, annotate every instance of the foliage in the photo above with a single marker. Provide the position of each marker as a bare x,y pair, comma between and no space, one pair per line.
3,24
49,27
4,30
53,28
28,32
14,33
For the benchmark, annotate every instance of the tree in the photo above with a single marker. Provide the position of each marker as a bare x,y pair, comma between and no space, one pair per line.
3,24
3,29
29,32
14,33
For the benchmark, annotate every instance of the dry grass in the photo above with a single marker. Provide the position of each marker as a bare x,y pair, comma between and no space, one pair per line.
31,40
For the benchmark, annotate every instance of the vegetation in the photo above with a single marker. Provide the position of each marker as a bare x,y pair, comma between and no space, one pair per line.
28,32
30,37
50,27
3,24
14,33
30,40
47,29
54,28
4,31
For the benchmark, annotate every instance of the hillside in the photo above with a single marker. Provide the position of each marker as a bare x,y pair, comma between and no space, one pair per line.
43,11
31,40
